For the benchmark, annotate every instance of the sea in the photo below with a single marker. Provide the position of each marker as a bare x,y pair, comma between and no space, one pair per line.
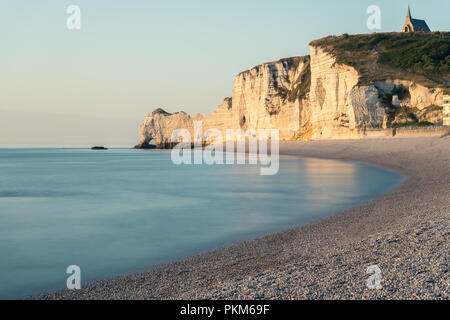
118,211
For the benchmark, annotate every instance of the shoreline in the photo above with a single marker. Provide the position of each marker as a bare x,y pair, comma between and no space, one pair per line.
404,232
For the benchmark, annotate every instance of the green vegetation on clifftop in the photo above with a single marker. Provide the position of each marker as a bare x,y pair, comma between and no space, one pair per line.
420,57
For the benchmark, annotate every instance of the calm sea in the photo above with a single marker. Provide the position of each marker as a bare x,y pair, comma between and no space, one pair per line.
118,211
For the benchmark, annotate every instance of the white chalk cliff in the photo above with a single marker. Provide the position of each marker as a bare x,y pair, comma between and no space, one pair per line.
311,97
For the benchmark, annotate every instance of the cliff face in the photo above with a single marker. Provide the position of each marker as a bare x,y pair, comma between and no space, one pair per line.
260,97
338,105
158,127
341,107
311,97
259,101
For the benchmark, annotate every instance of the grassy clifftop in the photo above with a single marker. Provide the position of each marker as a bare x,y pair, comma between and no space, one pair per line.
420,57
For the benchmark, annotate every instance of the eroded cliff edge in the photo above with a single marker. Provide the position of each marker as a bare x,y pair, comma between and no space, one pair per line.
339,91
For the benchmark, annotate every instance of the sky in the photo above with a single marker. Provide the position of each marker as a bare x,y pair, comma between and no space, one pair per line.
94,86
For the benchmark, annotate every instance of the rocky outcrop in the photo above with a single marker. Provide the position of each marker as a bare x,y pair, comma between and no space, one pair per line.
343,108
310,97
156,131
415,95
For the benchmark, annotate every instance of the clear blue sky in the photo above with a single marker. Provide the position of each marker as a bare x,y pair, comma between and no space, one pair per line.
95,85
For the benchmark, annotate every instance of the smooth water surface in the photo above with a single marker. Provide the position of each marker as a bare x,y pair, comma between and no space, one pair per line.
118,211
